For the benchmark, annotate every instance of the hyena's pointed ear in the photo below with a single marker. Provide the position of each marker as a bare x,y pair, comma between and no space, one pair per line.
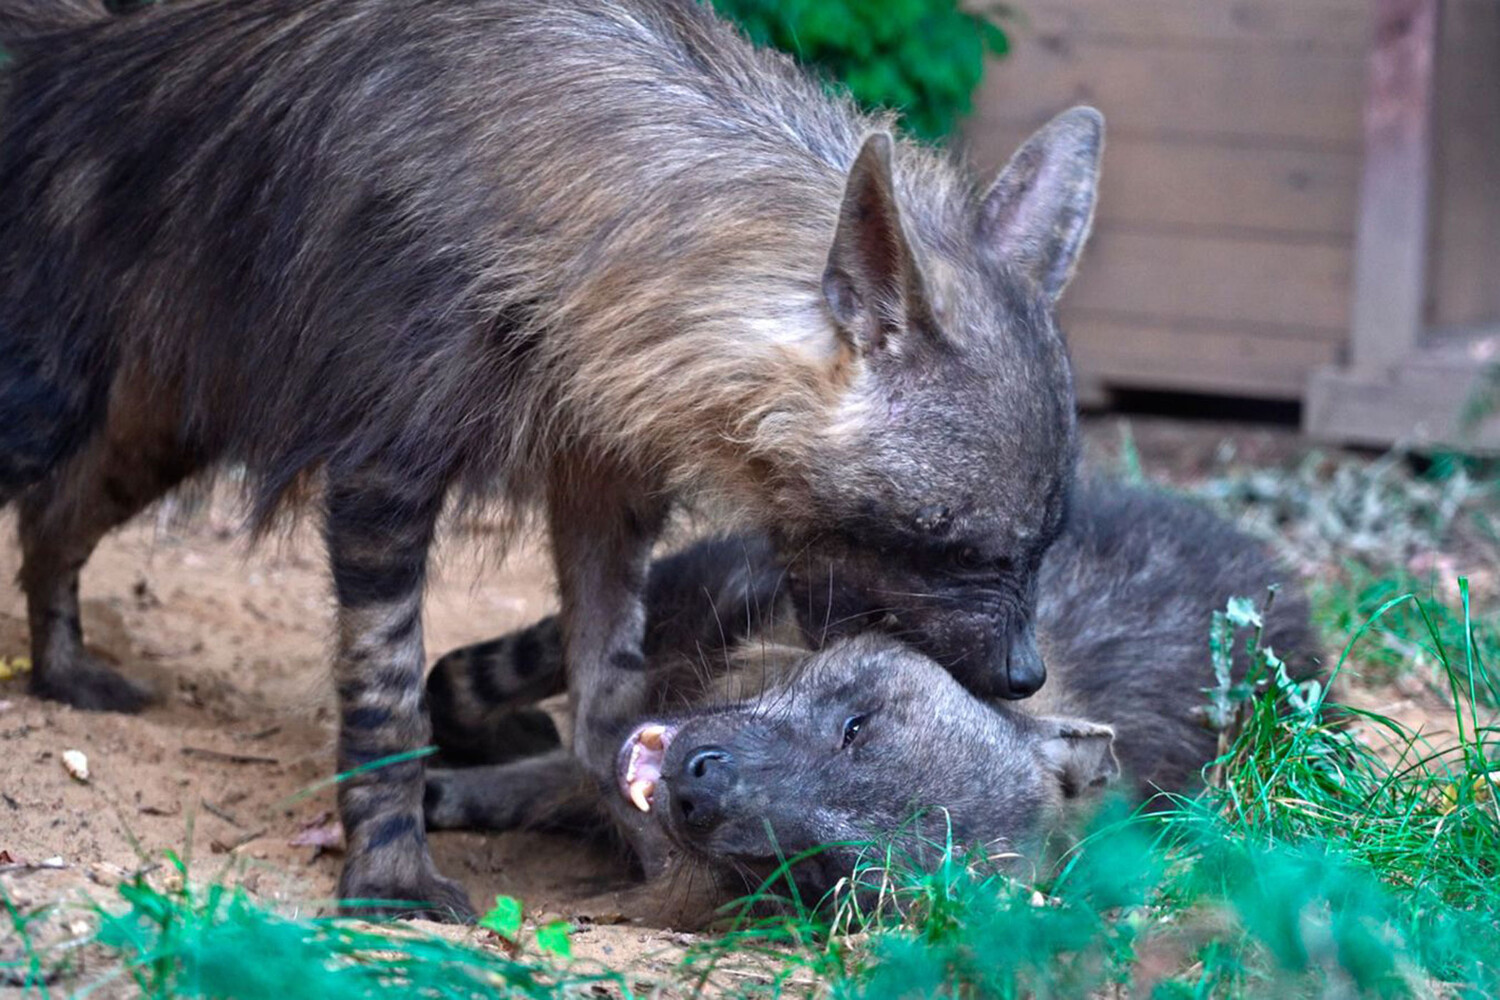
873,284
1037,215
1081,754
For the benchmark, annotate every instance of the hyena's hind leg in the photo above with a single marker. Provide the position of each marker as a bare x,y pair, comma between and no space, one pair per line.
380,524
114,476
43,420
700,602
550,791
479,696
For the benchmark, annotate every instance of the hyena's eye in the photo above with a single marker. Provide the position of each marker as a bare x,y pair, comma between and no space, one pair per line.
970,558
853,726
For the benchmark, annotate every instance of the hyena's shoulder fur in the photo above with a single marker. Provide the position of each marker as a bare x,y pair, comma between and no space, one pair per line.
412,282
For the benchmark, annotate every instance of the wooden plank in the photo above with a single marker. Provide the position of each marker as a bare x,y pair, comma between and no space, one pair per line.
1465,267
1215,280
1195,359
1271,96
1390,256
1341,25
1421,402
1153,182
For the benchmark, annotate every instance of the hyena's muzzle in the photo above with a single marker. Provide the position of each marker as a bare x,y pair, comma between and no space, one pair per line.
977,623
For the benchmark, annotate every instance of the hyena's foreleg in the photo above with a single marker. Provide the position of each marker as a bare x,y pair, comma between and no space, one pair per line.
602,534
121,470
550,791
478,696
44,418
380,525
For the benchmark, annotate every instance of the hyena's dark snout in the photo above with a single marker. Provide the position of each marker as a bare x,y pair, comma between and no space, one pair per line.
1019,671
700,791
991,659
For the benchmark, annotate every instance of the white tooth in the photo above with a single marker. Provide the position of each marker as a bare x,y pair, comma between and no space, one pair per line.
651,737
640,794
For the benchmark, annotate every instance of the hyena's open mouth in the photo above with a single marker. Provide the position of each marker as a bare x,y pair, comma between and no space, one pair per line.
638,766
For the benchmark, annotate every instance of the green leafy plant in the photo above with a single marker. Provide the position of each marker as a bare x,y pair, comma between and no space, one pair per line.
920,57
507,919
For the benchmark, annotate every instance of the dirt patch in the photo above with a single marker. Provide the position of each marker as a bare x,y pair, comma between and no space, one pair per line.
234,640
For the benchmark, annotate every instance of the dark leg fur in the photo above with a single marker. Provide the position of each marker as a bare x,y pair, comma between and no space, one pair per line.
546,792
475,695
601,542
378,539
62,519
41,424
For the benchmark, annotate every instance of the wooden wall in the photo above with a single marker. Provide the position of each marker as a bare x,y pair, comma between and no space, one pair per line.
1464,276
1221,259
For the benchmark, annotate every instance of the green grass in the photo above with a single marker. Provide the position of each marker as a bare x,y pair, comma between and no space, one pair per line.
215,941
1400,643
1366,532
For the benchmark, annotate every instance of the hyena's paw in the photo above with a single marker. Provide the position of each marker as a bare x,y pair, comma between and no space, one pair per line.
92,685
372,894
444,800
494,797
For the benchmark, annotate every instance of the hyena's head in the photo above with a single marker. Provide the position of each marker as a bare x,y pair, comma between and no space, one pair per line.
942,479
865,741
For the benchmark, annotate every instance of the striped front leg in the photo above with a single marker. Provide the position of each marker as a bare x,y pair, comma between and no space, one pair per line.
378,539
603,526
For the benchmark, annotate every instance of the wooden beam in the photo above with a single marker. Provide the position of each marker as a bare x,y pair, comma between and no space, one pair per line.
1424,402
1390,254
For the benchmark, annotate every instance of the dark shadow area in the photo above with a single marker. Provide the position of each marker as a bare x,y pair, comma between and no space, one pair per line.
1191,406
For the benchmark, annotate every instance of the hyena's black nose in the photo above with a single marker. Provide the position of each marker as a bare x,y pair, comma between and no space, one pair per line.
699,791
1025,673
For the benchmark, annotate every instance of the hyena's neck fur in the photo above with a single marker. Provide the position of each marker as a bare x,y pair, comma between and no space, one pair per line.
682,325
706,354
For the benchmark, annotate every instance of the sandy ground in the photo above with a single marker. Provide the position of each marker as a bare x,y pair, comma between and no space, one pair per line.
234,640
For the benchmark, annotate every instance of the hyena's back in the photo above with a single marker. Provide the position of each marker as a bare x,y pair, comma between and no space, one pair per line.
1129,593
324,230
410,243
592,253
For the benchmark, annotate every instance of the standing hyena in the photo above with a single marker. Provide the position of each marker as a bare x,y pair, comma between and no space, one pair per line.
584,255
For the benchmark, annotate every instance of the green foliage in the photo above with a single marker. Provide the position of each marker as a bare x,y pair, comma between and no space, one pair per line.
1400,642
217,942
921,57
507,918
1330,510
504,918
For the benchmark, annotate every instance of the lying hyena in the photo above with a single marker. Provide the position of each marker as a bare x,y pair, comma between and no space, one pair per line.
585,256
851,742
